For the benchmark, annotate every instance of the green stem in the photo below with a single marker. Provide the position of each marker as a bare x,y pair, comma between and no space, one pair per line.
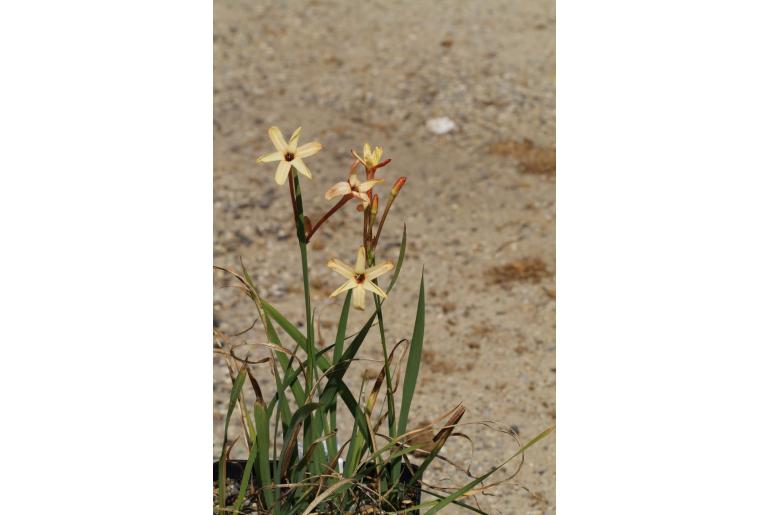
388,378
312,431
299,220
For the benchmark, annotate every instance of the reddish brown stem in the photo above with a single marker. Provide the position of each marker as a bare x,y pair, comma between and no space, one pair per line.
326,216
382,222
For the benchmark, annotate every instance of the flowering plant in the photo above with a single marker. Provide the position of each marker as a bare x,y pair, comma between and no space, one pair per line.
315,470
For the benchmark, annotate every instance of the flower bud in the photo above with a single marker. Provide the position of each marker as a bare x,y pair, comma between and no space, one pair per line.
397,186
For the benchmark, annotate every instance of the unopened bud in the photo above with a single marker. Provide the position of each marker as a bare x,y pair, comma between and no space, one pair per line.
397,186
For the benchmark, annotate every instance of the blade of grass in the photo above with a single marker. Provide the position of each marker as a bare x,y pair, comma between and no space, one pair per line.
294,427
459,492
318,500
412,370
262,423
283,360
339,341
401,254
293,332
239,380
253,452
351,461
391,412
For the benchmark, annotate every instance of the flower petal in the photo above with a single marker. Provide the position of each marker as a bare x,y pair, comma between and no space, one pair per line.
301,167
360,267
377,270
272,156
350,283
309,149
341,268
366,186
367,151
277,138
353,180
369,285
282,172
363,197
377,154
341,188
360,159
292,146
359,298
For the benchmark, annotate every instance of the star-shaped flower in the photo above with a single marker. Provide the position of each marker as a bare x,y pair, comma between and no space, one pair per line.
359,278
288,154
353,186
371,157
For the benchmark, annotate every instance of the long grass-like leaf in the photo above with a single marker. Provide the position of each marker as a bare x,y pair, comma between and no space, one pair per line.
339,341
263,459
412,370
283,360
234,393
293,431
462,491
318,500
293,332
413,362
401,254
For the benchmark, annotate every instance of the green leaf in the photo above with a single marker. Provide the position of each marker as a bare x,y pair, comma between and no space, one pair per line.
263,444
293,332
283,360
289,443
458,503
412,370
334,376
458,493
234,393
401,253
339,341
258,450
413,362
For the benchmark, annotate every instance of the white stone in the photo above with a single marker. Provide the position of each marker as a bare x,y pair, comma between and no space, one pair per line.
441,125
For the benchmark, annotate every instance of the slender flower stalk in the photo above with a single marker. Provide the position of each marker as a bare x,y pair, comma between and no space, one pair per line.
393,194
327,215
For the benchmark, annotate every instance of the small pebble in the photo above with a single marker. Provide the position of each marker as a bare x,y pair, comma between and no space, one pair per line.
441,125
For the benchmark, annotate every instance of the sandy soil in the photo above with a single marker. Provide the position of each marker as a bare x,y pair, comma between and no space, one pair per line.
479,202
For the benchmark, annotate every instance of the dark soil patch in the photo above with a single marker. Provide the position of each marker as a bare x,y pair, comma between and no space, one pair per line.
532,159
531,270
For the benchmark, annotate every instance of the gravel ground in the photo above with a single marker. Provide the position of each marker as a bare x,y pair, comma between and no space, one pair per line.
478,204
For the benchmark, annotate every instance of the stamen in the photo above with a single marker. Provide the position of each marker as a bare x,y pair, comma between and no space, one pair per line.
288,156
360,278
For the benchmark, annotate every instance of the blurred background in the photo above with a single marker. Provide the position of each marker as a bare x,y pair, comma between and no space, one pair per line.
461,96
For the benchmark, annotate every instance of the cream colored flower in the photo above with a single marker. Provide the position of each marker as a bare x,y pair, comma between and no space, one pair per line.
353,186
371,157
359,278
288,154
